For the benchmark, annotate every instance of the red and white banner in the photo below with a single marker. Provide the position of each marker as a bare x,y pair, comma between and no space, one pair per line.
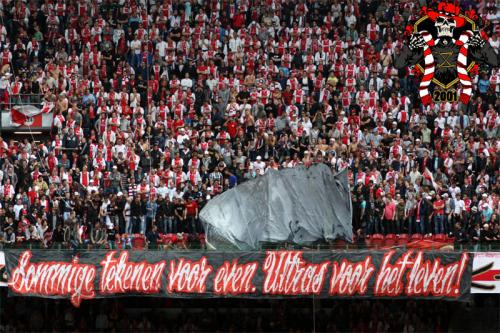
28,115
486,273
394,273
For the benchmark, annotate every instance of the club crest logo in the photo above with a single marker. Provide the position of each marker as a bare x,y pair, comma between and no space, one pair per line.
445,47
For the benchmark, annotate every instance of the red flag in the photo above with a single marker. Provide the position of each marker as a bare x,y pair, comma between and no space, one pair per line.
18,118
26,115
428,175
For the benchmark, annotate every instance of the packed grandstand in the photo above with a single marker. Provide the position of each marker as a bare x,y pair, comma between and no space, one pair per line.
161,105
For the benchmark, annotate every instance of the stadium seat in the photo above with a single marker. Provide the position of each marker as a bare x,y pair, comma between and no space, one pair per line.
138,242
416,237
440,238
402,239
390,240
428,237
377,240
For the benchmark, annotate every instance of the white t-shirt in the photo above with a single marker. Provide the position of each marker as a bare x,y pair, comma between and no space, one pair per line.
259,165
350,20
181,138
17,210
161,47
186,83
163,191
136,46
453,191
459,206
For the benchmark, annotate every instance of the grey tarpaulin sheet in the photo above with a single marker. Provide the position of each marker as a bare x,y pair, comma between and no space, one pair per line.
300,205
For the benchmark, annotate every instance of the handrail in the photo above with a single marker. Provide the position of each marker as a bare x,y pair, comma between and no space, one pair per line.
494,247
24,99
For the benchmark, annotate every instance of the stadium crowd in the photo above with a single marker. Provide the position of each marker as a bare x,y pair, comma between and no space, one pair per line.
161,105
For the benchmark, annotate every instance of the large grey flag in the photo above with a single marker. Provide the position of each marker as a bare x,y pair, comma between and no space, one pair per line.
299,205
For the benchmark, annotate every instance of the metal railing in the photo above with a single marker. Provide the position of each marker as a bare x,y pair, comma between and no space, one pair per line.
24,99
195,247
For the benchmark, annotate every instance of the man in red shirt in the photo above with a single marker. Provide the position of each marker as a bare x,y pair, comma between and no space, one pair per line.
438,212
191,216
287,95
232,127
239,20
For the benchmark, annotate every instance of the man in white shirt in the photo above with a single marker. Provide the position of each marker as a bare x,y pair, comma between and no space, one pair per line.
175,20
259,164
459,205
454,191
186,82
163,190
135,46
182,137
211,82
441,120
161,46
17,209
119,148
350,19
117,33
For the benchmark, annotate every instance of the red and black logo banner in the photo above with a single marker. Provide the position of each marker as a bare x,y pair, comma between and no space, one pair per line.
486,273
239,274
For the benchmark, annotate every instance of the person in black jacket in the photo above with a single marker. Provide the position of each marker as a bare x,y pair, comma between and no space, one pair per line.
480,163
93,209
156,155
70,140
379,210
137,212
112,233
58,237
424,161
119,207
152,237
54,218
475,236
428,211
171,226
436,162
487,237
179,208
421,212
161,213
460,235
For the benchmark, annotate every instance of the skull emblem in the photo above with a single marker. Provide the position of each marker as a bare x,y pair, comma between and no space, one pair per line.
445,26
